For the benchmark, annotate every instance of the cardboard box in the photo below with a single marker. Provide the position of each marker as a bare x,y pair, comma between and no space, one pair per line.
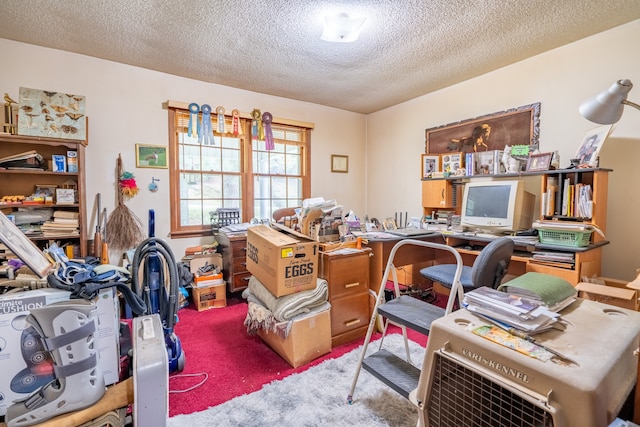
198,261
206,281
18,342
308,339
612,291
210,297
284,261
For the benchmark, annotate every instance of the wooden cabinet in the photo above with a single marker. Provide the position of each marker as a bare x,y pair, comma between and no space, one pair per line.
23,182
233,247
437,194
347,276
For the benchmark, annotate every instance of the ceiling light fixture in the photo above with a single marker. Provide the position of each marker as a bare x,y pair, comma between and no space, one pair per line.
606,108
341,29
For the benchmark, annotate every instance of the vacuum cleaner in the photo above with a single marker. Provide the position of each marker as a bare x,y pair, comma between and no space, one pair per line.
158,285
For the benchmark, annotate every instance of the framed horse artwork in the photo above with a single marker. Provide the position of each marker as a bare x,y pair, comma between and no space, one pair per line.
517,126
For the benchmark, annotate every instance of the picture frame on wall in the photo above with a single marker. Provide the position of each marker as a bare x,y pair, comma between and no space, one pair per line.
587,154
539,162
339,163
430,165
151,156
519,126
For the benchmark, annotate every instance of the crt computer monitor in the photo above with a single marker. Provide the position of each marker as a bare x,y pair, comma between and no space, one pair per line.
496,207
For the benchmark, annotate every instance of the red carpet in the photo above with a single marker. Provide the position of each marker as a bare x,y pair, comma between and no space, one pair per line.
216,342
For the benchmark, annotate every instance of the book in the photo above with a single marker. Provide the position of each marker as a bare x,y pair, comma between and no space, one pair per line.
552,291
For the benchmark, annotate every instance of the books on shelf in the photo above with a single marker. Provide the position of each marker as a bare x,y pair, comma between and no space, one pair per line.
553,292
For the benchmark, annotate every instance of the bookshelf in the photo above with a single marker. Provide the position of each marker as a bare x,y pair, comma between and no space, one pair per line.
25,182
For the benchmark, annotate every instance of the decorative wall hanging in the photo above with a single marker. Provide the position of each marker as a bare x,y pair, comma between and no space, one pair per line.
339,163
517,126
267,118
194,125
52,114
220,113
235,118
124,228
257,131
151,156
205,136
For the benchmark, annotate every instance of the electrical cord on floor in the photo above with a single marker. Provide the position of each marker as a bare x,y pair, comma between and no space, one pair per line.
193,387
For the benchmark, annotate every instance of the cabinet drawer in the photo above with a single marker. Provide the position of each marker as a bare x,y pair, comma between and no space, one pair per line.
239,281
348,313
239,249
347,286
239,265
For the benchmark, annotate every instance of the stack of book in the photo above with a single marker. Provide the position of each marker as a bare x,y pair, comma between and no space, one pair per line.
510,311
553,292
63,223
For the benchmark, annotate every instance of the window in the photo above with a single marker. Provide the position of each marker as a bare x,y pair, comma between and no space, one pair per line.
232,171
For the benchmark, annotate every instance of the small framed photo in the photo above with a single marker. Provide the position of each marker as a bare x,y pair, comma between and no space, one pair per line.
453,163
539,162
339,163
151,156
592,142
430,165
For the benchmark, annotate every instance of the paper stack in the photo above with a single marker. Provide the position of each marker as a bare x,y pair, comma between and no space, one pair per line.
509,310
553,292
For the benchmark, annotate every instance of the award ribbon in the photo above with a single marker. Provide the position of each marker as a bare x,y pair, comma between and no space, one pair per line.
193,120
235,120
256,125
206,133
267,118
220,112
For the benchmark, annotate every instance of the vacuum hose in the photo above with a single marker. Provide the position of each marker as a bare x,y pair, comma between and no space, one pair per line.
169,305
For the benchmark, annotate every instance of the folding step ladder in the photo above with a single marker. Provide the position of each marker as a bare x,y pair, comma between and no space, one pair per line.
406,312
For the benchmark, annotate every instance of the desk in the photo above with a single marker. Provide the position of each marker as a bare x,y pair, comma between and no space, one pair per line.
587,259
407,255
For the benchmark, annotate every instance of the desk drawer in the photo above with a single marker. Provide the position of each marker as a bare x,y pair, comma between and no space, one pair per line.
239,281
239,265
239,249
348,313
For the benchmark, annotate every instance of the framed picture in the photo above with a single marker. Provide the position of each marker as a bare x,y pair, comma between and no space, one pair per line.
24,248
453,163
591,144
519,126
539,162
151,156
430,165
339,163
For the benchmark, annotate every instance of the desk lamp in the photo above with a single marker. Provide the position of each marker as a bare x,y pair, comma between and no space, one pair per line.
606,108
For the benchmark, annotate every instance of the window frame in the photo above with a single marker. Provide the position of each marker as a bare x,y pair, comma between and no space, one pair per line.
246,149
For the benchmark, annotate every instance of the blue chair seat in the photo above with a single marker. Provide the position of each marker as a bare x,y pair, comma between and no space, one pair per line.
489,267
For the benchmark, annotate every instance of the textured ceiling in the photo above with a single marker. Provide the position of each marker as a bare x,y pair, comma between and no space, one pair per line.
406,48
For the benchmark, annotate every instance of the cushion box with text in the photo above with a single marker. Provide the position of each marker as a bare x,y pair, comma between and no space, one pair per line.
284,261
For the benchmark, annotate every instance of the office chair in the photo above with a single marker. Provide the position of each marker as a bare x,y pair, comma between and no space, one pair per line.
488,269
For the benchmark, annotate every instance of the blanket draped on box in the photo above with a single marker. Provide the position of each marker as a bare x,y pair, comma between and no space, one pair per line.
267,312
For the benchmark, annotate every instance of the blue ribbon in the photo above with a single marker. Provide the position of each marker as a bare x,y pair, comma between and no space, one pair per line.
193,118
206,136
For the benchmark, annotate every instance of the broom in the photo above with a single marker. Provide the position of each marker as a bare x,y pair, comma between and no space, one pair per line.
124,228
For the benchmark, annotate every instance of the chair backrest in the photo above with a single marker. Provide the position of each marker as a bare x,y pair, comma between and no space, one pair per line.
491,265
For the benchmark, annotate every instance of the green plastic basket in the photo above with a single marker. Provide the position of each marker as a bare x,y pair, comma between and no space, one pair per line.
574,239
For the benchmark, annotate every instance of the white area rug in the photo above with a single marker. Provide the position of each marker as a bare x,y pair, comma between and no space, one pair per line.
318,397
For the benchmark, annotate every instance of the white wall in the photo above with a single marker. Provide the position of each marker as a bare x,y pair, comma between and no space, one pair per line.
124,106
560,80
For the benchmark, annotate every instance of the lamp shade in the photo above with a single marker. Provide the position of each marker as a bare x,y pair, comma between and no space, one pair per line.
606,108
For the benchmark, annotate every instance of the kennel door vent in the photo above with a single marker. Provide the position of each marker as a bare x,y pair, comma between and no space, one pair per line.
460,396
